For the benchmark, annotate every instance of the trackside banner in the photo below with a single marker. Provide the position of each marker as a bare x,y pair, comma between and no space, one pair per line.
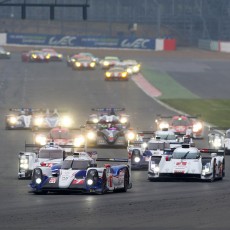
81,41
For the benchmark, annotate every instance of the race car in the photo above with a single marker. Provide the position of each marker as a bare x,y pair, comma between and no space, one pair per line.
4,54
109,61
60,136
182,125
216,140
116,73
84,63
35,56
188,162
51,118
52,54
20,118
46,156
132,66
141,151
80,173
108,128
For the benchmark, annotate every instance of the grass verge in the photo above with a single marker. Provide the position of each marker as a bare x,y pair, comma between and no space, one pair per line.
213,111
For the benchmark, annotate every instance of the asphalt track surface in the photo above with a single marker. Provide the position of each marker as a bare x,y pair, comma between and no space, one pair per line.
148,205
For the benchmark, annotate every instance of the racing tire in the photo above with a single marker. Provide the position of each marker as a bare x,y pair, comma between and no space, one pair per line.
126,181
104,189
213,172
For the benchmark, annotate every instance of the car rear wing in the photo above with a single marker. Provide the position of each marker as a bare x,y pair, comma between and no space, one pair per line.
113,159
219,152
25,110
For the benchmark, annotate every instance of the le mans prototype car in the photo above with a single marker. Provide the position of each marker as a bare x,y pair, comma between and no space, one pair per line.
80,173
20,118
45,156
108,127
182,125
188,162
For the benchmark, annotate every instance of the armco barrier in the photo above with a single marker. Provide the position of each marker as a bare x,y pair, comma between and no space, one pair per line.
204,44
214,45
225,47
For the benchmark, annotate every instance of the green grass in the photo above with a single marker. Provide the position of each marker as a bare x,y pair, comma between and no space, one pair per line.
213,111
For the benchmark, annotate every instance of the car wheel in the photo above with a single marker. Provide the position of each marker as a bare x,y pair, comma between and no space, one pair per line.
213,172
103,186
126,181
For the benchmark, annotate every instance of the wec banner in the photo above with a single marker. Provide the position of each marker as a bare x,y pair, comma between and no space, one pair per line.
81,41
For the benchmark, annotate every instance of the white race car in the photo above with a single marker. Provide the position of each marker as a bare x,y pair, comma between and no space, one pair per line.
188,162
227,141
47,156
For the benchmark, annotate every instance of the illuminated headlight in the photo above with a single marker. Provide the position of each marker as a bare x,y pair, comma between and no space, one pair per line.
108,74
92,64
66,121
78,64
79,141
38,121
40,140
137,159
24,166
129,70
206,170
217,143
24,161
144,145
131,136
38,181
60,55
47,56
105,63
123,120
136,68
12,120
155,168
163,125
197,127
34,56
95,120
72,60
124,74
89,182
91,135
7,53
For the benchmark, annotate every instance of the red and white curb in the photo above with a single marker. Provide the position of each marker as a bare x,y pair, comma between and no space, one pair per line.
148,88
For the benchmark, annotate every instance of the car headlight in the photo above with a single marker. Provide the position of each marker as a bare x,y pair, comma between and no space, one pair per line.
92,64
47,56
91,135
89,182
155,168
7,53
24,166
66,121
78,64
60,55
163,125
131,136
105,63
197,127
79,141
40,140
38,181
129,70
123,120
136,68
217,142
137,159
144,145
38,121
124,74
95,120
108,74
12,120
34,56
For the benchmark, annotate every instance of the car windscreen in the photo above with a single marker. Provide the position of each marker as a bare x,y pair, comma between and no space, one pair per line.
185,155
227,134
156,146
180,123
117,70
75,164
165,136
50,153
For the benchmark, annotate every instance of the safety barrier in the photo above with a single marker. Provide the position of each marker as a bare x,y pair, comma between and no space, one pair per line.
88,41
220,46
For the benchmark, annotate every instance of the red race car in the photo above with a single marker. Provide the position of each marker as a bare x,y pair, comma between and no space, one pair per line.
53,54
35,56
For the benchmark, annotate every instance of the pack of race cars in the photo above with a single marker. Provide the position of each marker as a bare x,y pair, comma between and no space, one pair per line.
58,159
